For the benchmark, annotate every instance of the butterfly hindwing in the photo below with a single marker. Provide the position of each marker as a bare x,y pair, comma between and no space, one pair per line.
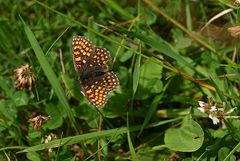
111,81
97,89
101,56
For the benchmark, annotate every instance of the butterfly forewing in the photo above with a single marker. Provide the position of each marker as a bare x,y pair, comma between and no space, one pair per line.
82,50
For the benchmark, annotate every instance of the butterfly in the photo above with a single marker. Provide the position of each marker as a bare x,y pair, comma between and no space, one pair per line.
95,78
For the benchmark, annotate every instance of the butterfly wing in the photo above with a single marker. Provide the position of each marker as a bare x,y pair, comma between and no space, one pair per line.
88,57
91,64
82,51
97,89
101,56
110,80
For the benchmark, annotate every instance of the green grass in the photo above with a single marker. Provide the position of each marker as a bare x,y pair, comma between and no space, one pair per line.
165,66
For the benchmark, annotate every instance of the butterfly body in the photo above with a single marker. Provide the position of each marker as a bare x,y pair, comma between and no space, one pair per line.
86,75
96,80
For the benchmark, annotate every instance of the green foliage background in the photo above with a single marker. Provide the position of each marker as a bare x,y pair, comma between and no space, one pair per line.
165,65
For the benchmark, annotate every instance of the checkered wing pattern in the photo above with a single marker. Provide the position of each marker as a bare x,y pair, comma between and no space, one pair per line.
82,50
97,89
101,56
91,64
88,57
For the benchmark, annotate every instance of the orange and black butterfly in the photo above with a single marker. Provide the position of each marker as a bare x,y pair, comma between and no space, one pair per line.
96,80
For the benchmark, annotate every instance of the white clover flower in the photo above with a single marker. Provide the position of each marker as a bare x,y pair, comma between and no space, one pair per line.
214,119
213,108
215,111
202,107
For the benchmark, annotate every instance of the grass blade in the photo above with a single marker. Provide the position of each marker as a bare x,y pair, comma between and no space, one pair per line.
131,148
119,9
136,73
93,135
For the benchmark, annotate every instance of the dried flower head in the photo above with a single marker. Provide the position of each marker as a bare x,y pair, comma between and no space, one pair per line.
236,3
24,77
49,138
77,150
37,121
234,31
